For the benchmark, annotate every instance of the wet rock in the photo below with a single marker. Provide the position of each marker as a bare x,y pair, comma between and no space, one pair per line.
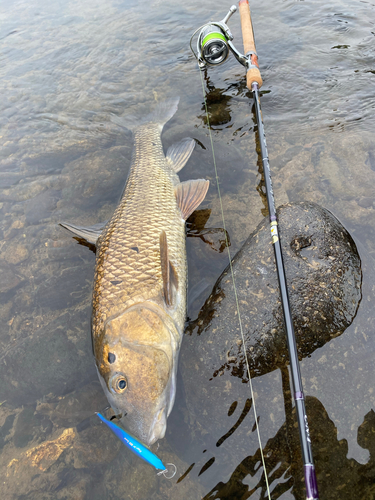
74,408
93,447
42,469
8,278
51,360
129,478
23,433
40,207
63,290
16,253
48,452
323,270
41,456
214,401
29,426
366,201
5,429
135,482
85,177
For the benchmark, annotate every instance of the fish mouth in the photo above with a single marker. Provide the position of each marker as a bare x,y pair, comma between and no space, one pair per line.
158,427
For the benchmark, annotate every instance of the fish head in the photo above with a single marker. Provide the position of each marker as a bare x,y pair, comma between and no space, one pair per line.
137,369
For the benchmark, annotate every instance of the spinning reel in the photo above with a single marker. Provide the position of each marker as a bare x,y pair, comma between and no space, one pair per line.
214,43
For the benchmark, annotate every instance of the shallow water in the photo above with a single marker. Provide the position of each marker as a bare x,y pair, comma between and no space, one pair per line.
66,69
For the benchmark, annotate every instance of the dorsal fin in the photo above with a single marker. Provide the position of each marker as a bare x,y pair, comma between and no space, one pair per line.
190,194
165,268
179,153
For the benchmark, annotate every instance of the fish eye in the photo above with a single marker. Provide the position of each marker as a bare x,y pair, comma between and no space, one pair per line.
111,357
119,384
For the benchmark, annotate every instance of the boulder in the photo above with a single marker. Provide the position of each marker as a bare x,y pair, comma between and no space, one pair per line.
323,271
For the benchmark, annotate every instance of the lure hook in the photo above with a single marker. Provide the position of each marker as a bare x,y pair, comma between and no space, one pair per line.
171,473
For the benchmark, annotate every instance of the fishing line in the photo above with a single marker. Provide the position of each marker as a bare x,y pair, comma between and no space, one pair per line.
235,292
213,44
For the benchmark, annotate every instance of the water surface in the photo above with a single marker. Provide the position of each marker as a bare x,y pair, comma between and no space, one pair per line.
67,68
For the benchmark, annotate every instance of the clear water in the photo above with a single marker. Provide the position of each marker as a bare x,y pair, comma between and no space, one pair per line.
65,69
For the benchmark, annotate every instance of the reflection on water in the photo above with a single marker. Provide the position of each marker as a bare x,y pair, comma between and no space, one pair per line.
217,101
283,460
67,69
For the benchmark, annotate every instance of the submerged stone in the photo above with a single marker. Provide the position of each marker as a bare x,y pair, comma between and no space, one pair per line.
9,280
323,271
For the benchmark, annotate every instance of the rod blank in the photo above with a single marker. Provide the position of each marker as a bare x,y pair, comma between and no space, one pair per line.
254,85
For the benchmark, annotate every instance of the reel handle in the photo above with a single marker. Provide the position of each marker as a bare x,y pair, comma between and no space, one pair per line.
253,73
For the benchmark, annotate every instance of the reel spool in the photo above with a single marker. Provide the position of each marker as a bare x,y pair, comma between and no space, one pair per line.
213,46
215,42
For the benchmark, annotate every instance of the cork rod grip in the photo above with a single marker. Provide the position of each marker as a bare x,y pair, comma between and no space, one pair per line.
253,74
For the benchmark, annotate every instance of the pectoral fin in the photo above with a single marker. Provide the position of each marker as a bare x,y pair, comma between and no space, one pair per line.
168,272
190,194
89,234
179,153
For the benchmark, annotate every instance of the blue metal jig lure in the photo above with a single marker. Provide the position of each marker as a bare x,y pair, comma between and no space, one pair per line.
138,448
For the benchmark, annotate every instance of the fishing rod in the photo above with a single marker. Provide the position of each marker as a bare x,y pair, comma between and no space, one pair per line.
213,46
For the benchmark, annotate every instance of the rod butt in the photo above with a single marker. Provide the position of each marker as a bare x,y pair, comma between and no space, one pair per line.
253,73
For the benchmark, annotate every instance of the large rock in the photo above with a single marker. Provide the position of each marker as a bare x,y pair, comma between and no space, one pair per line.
214,401
323,271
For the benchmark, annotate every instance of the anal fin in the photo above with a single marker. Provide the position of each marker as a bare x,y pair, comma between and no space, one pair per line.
190,194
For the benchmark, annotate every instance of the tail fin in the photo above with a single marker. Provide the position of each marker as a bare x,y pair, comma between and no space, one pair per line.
161,114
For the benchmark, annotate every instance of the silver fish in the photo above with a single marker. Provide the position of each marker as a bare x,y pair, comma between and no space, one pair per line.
139,298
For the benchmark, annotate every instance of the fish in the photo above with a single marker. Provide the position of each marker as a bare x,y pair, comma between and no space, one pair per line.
140,281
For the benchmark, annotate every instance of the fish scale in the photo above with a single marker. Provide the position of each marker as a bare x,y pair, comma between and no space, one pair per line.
145,210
